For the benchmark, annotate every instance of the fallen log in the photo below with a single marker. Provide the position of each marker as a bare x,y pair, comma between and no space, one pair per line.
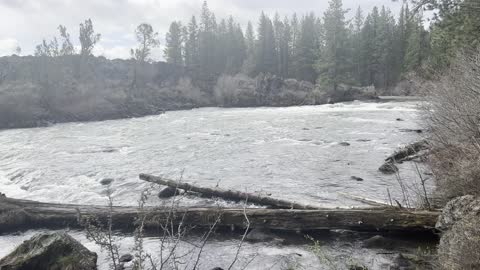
408,152
228,195
23,214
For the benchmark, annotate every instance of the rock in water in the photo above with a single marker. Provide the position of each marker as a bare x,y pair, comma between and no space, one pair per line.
359,179
388,168
168,192
50,251
106,181
126,258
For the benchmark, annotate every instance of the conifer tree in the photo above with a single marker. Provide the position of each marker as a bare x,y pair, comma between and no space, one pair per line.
332,65
173,49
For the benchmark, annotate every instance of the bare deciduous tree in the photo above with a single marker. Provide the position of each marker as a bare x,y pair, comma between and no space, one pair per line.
147,39
47,48
88,37
67,46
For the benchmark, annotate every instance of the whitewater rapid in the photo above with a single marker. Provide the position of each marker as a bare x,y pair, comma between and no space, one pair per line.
291,153
304,154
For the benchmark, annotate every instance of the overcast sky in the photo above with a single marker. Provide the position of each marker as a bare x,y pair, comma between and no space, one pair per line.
25,23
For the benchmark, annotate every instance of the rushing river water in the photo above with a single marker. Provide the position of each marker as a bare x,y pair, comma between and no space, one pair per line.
304,154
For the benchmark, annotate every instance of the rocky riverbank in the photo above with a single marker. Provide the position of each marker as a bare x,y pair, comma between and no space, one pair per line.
38,91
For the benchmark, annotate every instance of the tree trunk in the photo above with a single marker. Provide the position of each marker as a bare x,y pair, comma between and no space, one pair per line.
22,215
228,195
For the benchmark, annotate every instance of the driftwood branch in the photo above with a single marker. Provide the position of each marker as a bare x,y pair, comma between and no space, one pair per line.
22,214
228,195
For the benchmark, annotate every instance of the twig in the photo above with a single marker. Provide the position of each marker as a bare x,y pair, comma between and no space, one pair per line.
244,235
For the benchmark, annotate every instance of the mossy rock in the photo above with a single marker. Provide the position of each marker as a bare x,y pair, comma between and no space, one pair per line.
55,251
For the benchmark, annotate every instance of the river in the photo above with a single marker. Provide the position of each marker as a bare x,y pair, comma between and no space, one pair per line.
305,154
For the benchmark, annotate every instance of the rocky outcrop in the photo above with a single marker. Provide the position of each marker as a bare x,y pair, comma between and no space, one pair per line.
264,90
36,91
456,210
56,251
460,242
345,93
271,90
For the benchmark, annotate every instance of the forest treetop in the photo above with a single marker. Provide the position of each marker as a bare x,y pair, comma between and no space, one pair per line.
375,47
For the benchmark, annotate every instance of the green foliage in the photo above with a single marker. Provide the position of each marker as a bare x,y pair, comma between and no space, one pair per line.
174,44
334,63
456,26
375,49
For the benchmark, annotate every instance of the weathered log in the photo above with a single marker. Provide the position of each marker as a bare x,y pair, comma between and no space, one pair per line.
22,215
408,152
228,195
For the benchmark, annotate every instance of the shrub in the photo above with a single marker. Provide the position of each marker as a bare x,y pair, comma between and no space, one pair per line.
453,117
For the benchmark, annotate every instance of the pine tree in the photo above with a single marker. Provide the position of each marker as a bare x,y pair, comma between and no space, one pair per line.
285,49
173,46
357,41
191,45
207,46
266,53
416,51
332,65
307,49
249,63
295,34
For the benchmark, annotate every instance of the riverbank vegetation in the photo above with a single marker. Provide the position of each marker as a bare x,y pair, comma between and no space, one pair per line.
279,62
451,84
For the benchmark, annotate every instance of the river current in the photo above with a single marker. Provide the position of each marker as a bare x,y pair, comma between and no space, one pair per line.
305,154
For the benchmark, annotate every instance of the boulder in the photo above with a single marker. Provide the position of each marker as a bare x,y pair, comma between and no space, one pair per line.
388,168
459,247
345,93
106,181
168,192
50,251
126,258
460,241
457,209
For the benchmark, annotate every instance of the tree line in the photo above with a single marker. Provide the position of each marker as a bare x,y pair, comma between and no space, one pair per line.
369,49
372,48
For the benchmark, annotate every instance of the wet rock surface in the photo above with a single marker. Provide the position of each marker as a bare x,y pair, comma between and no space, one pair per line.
50,251
460,241
457,209
388,168
168,192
